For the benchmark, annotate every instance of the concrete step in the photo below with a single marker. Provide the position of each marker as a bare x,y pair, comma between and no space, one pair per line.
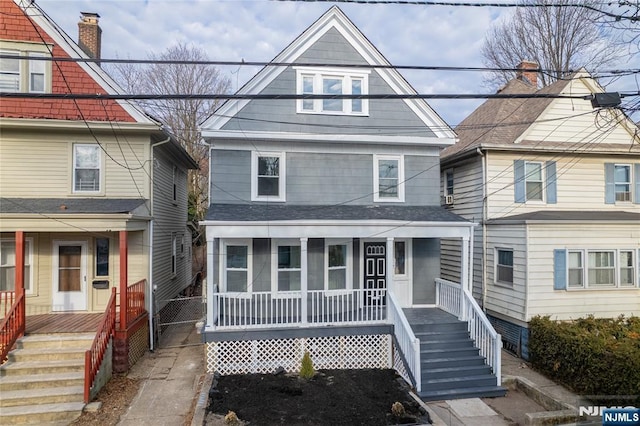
448,353
29,397
26,355
459,382
39,381
446,362
12,368
446,344
477,392
450,372
41,414
56,341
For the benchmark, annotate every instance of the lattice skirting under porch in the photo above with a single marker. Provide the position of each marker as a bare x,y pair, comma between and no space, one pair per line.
331,352
138,343
399,365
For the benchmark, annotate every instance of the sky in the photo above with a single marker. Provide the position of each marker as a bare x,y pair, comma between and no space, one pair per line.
257,30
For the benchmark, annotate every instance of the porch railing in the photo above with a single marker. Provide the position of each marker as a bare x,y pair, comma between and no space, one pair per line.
6,301
282,309
135,300
94,356
408,342
452,298
12,326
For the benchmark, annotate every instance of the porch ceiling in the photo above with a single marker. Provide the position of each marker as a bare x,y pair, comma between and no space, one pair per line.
289,221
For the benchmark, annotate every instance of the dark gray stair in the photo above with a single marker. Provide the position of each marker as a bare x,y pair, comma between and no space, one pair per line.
451,365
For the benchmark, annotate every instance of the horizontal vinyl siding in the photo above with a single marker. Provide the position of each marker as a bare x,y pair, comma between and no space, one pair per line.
322,178
574,122
580,184
508,301
170,217
563,304
41,165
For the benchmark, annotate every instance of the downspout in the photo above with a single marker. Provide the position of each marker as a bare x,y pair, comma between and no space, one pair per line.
151,283
484,227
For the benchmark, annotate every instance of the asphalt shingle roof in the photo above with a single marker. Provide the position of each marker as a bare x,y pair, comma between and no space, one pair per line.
283,212
69,205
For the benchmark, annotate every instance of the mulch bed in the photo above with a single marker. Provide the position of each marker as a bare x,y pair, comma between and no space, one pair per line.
331,397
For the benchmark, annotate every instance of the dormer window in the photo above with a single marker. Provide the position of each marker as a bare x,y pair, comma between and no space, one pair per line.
337,82
20,71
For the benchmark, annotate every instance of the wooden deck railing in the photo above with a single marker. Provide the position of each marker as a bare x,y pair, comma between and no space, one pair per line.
135,300
452,298
94,356
6,301
12,327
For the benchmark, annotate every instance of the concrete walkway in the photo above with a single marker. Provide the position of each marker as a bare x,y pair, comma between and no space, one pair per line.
171,379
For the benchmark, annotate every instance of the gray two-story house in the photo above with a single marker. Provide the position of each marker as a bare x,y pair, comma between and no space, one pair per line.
324,228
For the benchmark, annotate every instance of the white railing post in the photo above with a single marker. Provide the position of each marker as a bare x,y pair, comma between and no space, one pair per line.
211,308
303,278
497,369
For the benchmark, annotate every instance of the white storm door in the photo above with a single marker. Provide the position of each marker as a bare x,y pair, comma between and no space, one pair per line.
70,276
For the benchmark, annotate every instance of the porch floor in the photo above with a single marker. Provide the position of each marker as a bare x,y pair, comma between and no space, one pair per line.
62,323
428,316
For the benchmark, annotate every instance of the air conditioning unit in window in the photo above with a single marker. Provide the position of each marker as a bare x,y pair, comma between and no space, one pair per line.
448,200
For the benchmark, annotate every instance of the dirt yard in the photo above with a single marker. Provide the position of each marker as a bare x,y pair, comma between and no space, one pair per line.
331,397
115,397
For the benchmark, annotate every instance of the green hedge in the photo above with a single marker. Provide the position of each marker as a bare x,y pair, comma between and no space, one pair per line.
591,356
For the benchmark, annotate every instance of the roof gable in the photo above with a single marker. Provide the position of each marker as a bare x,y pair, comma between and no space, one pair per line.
24,21
542,123
331,23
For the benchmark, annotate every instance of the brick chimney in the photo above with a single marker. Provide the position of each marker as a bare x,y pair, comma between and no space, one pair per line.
527,72
90,34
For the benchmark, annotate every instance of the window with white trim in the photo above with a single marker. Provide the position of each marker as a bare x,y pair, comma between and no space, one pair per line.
268,171
598,269
87,165
448,182
174,253
288,267
504,266
601,270
388,178
576,268
627,269
236,267
534,183
8,265
337,82
622,182
19,74
337,266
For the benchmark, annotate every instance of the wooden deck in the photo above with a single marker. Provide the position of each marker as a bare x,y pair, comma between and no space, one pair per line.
62,323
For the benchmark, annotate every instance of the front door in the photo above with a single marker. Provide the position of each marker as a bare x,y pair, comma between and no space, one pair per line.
375,262
70,276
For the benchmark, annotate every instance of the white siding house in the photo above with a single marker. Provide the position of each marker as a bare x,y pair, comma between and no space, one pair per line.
555,187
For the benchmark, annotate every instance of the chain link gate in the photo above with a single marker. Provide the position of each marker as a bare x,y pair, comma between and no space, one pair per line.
178,316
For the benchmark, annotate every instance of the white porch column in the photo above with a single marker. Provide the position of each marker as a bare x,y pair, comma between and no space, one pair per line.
211,305
471,250
389,262
464,268
303,277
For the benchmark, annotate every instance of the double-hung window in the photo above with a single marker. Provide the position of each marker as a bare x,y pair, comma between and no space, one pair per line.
268,174
595,269
337,261
8,265
236,261
334,82
504,266
87,163
288,267
174,253
388,178
21,72
622,182
533,181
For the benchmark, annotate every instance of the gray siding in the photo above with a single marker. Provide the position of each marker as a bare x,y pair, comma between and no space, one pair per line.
170,218
315,264
323,178
426,268
386,116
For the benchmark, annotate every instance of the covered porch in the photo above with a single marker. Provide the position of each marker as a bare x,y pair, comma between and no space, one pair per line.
312,266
